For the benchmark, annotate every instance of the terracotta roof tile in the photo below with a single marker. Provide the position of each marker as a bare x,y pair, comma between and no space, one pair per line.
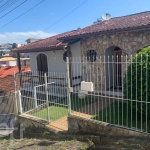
48,43
7,78
125,22
114,24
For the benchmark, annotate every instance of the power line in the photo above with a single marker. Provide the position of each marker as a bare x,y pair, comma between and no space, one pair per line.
13,9
7,6
1,1
5,3
8,3
61,18
22,14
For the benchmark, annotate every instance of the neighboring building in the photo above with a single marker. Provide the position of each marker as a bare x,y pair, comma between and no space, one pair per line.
11,61
19,45
31,40
115,37
5,47
25,62
8,61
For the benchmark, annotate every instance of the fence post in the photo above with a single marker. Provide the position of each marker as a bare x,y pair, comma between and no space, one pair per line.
68,87
35,98
20,102
46,92
15,105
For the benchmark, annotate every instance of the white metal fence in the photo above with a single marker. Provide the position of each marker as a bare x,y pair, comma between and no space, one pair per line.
120,94
43,95
121,90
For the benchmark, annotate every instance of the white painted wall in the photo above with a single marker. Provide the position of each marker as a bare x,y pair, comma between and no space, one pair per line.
55,64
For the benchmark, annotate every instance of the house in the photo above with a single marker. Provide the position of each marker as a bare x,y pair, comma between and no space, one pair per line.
30,40
117,37
11,61
5,47
8,61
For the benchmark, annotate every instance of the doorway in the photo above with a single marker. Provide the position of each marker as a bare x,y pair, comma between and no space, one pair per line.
113,68
42,66
42,63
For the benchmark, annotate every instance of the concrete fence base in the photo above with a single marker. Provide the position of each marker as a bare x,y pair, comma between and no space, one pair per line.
78,124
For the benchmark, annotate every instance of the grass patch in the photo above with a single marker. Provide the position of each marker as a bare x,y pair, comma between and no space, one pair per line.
60,110
119,113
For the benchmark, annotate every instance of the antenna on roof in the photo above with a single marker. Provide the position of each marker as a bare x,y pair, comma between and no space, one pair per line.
106,16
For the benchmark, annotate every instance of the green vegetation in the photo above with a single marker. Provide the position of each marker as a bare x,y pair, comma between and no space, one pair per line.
137,81
60,109
121,114
14,45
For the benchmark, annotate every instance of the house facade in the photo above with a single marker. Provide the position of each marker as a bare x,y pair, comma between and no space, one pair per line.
124,45
110,40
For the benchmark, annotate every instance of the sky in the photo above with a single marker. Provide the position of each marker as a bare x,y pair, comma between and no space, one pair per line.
59,15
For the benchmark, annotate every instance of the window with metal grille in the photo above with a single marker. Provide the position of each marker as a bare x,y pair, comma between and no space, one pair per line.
91,55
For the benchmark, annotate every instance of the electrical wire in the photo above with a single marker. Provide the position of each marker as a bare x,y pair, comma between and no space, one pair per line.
6,3
1,1
48,26
22,14
13,9
8,6
61,18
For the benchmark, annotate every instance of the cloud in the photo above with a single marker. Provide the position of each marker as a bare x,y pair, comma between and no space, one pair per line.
21,37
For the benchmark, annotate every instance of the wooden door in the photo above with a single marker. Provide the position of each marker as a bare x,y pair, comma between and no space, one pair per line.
42,63
42,66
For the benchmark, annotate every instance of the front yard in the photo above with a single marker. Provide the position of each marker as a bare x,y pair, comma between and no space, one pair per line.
121,114
60,109
116,113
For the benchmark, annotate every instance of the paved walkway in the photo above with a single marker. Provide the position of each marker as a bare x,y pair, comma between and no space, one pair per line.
62,123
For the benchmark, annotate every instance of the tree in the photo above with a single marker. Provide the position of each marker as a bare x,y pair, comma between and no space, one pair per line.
14,45
1,53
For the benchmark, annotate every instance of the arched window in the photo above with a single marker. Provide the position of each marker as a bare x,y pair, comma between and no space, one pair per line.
91,55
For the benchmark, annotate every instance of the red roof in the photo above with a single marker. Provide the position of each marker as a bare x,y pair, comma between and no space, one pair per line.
46,44
140,20
7,77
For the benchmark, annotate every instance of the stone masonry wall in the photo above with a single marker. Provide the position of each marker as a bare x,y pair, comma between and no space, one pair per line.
129,42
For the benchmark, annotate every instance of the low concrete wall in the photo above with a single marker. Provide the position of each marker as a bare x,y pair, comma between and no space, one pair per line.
28,121
77,124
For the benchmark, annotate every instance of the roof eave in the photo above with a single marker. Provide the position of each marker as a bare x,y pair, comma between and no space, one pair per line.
105,32
39,49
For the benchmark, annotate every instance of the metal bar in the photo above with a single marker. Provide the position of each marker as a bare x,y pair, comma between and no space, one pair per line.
68,87
20,102
35,97
16,106
46,92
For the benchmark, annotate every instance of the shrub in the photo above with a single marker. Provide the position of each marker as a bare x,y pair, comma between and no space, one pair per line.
137,81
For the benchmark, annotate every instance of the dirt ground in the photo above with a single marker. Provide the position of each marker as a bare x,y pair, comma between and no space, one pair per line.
41,139
123,143
105,143
38,144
